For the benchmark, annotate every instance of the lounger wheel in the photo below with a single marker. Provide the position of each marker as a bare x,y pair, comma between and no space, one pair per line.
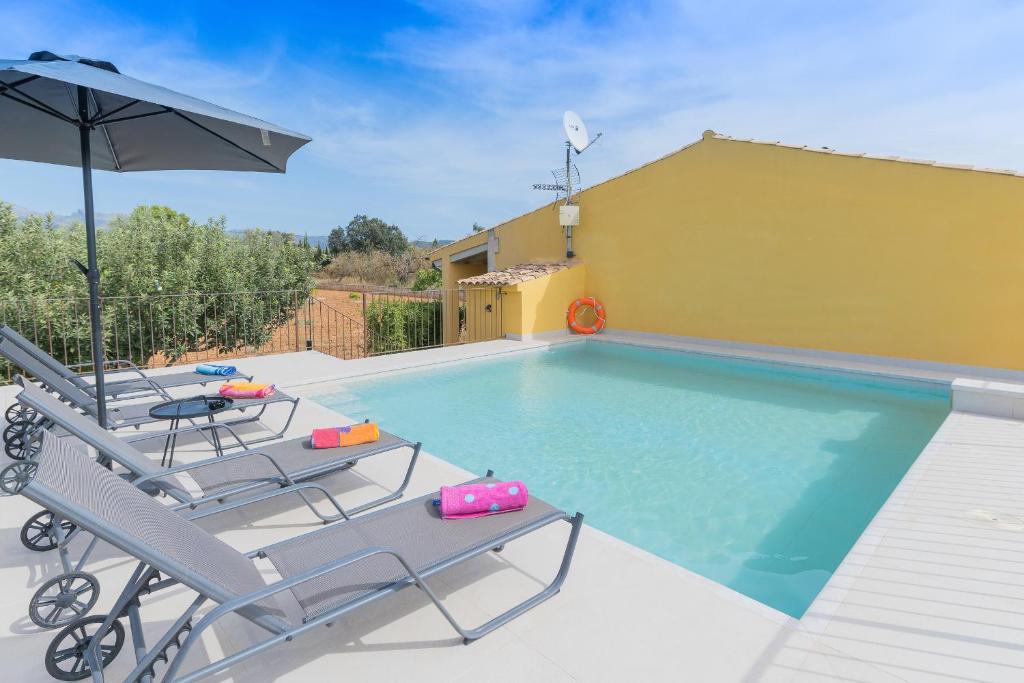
17,411
17,439
64,599
37,533
14,478
65,658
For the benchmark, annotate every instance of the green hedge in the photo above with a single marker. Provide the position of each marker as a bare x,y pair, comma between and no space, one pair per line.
397,325
160,270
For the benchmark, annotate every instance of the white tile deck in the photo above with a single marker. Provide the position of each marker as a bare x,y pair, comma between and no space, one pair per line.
932,591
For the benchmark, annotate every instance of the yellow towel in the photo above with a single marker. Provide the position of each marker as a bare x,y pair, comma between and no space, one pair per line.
353,435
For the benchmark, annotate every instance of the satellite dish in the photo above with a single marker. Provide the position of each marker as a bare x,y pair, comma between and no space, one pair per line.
576,131
567,180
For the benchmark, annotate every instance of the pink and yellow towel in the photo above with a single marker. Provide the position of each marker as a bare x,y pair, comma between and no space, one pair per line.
353,435
246,390
478,500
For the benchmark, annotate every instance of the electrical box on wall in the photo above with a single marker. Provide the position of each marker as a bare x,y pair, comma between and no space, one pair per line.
569,215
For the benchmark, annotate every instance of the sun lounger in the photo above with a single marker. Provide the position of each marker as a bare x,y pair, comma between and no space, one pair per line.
125,415
325,574
138,386
270,471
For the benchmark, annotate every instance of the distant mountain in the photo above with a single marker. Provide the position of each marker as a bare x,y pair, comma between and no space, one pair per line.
102,219
322,241
313,239
428,244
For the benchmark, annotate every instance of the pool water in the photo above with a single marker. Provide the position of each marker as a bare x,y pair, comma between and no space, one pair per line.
757,476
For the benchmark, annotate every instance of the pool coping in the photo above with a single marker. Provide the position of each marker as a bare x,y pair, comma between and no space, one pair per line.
843,655
986,392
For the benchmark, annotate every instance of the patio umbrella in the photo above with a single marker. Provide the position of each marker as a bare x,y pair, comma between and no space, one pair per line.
84,112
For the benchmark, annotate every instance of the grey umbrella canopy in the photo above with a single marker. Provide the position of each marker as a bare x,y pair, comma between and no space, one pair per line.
83,112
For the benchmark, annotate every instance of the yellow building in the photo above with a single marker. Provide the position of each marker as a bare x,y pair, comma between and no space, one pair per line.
766,243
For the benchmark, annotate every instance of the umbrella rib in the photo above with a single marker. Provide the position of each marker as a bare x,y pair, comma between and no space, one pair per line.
45,110
110,146
33,102
108,122
27,79
221,137
99,119
106,133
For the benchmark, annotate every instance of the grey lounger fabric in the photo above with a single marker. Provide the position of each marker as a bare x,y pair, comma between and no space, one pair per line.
228,473
329,572
136,414
115,387
72,485
415,528
295,456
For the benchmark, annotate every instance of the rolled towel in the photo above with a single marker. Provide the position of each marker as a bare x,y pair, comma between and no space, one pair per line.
478,500
246,390
217,370
338,437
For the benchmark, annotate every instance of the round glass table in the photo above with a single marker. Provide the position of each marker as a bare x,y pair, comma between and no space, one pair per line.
189,409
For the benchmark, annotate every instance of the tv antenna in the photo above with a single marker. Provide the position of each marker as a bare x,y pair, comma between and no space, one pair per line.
567,179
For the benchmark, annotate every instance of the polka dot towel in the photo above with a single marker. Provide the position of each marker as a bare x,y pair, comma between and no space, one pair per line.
477,500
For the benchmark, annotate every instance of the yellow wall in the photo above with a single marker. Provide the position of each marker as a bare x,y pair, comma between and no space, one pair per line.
540,305
767,244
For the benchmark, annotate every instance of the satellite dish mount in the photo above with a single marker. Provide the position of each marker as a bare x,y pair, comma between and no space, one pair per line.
568,179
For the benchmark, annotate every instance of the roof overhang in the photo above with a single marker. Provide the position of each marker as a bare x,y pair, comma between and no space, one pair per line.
468,253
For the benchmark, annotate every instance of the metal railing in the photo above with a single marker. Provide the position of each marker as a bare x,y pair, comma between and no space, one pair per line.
404,319
166,329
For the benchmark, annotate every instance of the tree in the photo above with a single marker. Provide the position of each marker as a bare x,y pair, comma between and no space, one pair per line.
478,228
160,271
364,234
336,241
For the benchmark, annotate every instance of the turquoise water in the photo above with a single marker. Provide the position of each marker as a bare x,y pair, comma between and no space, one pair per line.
758,477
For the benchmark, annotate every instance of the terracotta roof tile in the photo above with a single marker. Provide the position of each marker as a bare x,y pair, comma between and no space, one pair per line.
524,272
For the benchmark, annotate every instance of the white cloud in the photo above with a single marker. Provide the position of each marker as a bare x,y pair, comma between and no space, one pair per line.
457,119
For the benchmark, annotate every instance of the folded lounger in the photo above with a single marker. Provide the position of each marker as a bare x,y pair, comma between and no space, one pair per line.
324,574
141,384
283,467
19,439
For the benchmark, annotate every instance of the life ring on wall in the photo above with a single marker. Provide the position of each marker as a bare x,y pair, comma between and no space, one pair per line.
598,309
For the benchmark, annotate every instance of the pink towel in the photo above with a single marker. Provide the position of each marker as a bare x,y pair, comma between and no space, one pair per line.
246,390
478,500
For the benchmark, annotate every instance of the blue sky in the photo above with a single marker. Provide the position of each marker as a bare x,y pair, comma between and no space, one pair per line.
436,115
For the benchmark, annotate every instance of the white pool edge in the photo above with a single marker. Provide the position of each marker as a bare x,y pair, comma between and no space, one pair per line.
962,391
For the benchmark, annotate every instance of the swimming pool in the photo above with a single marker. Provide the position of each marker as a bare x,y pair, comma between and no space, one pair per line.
760,477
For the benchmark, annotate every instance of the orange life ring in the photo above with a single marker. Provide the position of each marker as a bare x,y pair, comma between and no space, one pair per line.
598,309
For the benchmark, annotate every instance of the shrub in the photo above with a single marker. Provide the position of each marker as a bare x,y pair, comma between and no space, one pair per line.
427,278
397,325
148,255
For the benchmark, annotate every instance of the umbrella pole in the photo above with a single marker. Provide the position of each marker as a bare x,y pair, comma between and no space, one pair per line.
94,273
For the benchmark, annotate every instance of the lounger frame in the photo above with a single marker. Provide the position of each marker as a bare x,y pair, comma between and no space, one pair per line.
112,367
280,631
295,482
81,400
